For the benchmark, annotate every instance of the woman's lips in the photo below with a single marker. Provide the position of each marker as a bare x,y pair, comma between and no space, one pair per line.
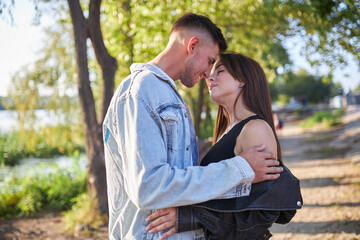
212,86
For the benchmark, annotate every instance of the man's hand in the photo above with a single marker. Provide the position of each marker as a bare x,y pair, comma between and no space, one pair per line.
161,220
264,164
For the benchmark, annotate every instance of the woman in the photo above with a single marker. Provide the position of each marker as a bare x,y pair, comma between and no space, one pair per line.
239,86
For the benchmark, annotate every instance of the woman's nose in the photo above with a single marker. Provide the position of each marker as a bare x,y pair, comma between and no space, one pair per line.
210,78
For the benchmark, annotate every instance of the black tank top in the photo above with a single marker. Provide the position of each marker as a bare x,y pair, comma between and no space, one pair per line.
224,148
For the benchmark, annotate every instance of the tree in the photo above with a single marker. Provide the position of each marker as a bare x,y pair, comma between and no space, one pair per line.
83,29
49,70
316,89
329,29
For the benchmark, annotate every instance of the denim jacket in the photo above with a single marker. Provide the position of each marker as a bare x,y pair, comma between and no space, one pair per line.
150,155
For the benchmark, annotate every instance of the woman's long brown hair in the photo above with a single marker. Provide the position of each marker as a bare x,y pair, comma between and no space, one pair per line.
256,93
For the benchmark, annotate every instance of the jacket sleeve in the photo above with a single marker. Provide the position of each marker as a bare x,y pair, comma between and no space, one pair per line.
150,181
241,190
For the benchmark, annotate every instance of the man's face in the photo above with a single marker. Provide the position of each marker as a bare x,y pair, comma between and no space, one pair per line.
199,65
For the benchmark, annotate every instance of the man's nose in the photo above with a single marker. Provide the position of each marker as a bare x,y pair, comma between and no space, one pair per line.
207,74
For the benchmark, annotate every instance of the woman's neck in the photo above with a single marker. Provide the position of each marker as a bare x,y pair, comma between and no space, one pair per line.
237,114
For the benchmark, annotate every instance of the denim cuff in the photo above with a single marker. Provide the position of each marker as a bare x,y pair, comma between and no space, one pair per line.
247,175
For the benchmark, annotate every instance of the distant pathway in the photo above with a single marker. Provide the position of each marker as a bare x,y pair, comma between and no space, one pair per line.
327,164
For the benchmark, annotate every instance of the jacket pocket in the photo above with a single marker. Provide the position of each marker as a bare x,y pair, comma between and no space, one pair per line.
171,118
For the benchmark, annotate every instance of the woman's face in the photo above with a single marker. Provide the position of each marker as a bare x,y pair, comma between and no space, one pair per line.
223,87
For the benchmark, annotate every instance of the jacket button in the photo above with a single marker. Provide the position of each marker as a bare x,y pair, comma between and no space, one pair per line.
298,203
187,148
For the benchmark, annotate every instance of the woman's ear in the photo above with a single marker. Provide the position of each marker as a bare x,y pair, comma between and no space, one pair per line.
192,44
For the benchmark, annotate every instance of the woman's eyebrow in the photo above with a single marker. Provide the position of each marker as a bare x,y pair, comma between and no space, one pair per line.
218,66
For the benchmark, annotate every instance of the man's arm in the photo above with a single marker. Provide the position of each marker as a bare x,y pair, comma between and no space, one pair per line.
264,169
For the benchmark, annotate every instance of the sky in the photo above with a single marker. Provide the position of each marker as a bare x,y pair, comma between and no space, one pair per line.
20,43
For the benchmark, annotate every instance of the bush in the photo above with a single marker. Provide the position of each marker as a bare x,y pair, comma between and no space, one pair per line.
51,188
84,215
46,142
327,117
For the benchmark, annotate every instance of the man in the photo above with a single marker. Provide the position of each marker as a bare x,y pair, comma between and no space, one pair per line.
150,145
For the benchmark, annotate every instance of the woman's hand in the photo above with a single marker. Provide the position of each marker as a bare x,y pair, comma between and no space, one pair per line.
161,220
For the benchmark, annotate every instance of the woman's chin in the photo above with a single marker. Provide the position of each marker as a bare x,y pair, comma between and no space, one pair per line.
213,98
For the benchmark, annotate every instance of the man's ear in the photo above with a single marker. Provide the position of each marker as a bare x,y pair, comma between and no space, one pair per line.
192,44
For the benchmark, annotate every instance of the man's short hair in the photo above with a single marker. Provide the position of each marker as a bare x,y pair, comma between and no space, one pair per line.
195,21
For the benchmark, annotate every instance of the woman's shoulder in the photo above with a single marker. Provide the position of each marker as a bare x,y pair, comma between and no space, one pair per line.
257,132
256,126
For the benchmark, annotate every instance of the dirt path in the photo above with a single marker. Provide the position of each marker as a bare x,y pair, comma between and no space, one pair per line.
327,164
46,227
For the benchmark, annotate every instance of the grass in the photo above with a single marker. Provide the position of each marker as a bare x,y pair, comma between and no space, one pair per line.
329,151
326,118
321,138
83,216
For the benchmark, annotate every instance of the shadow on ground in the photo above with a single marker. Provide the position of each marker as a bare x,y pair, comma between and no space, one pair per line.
320,227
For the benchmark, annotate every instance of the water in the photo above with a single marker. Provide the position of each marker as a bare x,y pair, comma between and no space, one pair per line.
8,122
30,165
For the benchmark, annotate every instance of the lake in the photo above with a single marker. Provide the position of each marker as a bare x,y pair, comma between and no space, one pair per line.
27,166
8,122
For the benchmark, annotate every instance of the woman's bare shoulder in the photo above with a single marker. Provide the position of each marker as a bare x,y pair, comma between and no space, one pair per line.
257,126
257,132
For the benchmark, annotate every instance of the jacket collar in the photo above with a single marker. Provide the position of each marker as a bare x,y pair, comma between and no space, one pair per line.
135,67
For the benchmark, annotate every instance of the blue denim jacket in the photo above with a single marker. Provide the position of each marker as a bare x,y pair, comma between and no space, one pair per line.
150,154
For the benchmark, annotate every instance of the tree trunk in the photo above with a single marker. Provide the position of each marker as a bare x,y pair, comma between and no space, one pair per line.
92,127
107,63
199,107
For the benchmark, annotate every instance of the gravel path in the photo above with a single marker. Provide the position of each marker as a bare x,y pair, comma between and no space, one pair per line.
327,164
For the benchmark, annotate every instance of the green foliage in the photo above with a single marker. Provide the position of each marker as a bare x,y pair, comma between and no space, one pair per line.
328,29
11,149
136,31
84,213
47,83
317,89
51,188
326,117
46,142
357,89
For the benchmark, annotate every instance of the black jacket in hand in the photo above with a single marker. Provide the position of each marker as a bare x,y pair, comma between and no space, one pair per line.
247,217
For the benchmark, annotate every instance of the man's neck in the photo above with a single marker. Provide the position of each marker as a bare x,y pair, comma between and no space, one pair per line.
171,62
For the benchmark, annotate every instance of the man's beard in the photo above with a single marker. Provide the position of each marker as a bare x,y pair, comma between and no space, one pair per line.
189,74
